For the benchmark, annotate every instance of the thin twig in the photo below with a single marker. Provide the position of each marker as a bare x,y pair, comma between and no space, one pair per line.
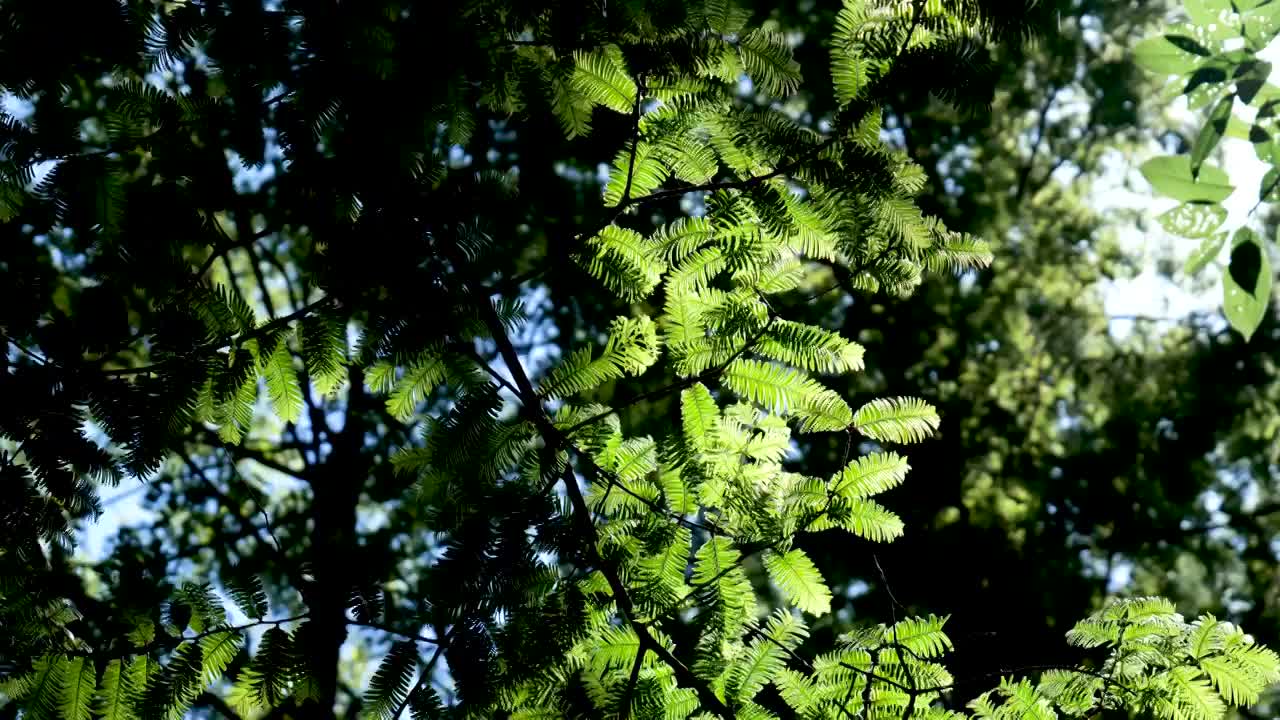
167,642
424,678
624,706
392,631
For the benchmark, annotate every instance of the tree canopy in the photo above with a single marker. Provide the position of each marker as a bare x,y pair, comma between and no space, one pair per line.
635,359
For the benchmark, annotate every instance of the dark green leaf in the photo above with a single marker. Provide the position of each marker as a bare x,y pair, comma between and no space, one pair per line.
1163,55
1269,189
1211,133
1247,284
1203,77
1186,44
1251,79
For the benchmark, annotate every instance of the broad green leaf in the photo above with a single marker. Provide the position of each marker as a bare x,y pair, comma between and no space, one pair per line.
1193,220
1237,128
1171,175
1162,56
1261,22
1217,17
1211,134
1250,78
1205,254
1247,285
1204,86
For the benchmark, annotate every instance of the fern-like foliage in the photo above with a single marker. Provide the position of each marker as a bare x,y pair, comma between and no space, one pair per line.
567,565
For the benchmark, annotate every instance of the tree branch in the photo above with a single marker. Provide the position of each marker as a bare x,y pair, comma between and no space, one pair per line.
225,341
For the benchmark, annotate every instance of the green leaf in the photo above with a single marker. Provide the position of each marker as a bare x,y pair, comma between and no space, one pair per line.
248,595
632,347
788,391
419,380
625,261
1211,133
282,384
270,673
1247,285
870,475
324,349
1162,55
78,685
1269,188
1171,175
115,696
923,636
1250,81
799,579
1206,635
768,61
699,416
570,106
615,648
900,420
1233,682
1192,694
1261,23
601,76
809,348
390,684
725,17
1193,220
869,519
1217,18
218,650
1205,254
142,631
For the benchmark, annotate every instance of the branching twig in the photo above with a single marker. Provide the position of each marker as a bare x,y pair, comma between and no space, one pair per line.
169,642
624,707
392,631
424,678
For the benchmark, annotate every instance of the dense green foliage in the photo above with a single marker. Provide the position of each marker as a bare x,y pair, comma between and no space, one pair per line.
619,529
